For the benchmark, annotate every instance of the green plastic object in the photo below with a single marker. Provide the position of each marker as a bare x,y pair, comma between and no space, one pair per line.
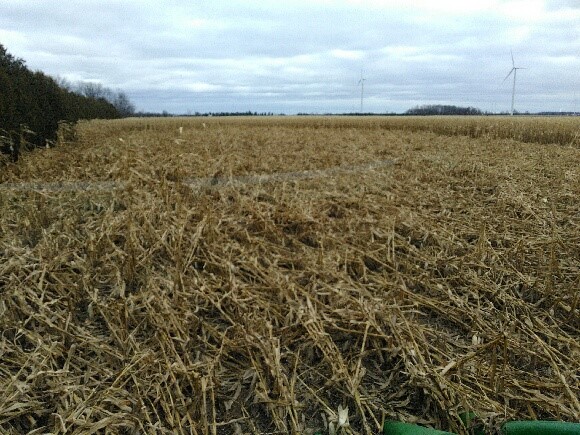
398,428
509,428
540,428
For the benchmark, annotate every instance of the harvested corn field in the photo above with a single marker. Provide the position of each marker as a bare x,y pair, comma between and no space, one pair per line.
220,276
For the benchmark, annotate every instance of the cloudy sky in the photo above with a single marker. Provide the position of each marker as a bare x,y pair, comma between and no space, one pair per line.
306,55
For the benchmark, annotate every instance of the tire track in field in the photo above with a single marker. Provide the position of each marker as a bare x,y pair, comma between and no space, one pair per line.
207,182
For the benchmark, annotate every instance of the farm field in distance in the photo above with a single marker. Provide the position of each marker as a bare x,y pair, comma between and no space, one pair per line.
253,275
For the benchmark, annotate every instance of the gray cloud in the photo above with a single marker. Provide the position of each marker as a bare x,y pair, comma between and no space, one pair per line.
305,55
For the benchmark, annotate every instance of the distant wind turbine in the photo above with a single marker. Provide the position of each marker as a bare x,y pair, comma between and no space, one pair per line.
361,82
515,71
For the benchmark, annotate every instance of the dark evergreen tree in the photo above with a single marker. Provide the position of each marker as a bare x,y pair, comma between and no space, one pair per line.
32,104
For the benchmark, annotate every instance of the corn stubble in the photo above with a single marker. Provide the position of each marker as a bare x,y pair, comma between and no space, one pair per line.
447,281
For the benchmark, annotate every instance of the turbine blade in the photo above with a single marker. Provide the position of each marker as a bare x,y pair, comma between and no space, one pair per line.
509,74
513,63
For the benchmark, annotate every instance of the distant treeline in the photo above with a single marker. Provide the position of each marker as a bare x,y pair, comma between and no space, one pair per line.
166,114
558,113
438,109
34,103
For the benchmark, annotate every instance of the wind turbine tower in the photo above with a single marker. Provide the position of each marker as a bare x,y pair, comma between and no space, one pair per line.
361,82
514,70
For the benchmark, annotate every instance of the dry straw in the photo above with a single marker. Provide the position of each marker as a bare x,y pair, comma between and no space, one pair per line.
446,282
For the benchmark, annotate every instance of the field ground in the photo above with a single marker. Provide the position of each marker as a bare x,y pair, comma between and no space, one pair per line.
420,268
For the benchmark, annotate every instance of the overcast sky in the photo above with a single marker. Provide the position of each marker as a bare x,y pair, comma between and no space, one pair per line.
306,56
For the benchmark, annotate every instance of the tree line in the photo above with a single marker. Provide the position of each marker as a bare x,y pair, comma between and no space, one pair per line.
32,103
439,109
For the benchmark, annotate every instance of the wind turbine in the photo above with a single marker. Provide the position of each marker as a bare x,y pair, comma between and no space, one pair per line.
515,71
361,82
